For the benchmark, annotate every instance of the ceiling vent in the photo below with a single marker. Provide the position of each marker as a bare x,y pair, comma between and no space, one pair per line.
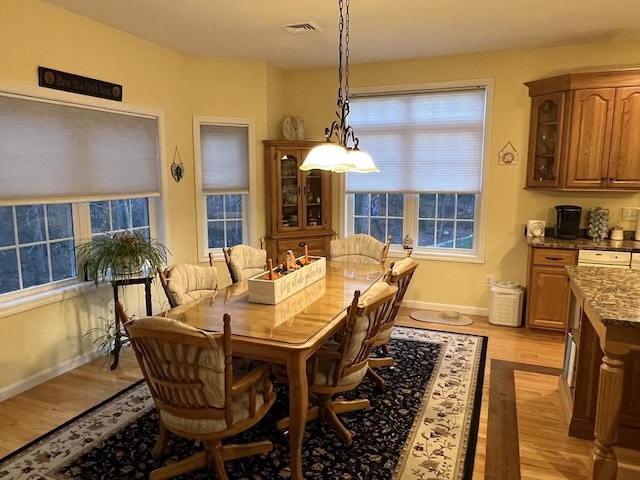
297,28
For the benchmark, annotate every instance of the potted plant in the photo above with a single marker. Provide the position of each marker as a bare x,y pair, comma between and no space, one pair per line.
121,254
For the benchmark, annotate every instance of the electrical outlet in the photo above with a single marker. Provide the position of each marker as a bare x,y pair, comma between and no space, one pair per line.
488,280
629,213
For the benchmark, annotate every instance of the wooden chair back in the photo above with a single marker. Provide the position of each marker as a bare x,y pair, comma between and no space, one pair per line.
399,274
184,282
359,248
365,314
245,261
189,373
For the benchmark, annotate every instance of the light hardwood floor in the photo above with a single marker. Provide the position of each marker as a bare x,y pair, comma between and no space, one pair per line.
545,450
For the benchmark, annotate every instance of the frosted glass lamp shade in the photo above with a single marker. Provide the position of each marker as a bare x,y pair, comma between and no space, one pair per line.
328,156
363,161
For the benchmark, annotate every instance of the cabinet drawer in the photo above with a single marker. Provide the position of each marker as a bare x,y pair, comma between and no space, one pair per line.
315,246
550,256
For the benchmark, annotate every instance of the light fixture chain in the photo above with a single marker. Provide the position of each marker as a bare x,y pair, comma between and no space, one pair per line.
346,52
342,157
340,52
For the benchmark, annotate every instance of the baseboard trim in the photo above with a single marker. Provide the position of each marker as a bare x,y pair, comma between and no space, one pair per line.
41,377
446,307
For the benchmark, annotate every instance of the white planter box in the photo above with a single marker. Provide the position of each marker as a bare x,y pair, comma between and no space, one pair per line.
272,292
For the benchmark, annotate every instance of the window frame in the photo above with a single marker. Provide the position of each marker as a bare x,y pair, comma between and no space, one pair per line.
249,201
411,200
41,295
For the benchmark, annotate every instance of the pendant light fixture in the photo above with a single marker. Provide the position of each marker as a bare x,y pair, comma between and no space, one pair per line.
343,156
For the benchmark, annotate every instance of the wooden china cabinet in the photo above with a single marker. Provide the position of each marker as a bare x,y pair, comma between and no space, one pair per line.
298,203
583,132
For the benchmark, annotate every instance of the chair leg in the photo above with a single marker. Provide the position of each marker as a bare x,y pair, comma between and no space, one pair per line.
232,452
329,410
161,445
212,457
344,406
334,422
312,414
215,458
194,462
381,362
377,379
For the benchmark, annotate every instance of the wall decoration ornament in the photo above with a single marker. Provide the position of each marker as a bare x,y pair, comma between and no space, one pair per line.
69,82
508,155
177,167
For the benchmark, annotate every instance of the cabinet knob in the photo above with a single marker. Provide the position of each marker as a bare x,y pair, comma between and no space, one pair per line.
611,179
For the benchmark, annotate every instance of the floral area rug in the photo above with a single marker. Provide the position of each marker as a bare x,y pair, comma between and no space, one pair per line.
422,426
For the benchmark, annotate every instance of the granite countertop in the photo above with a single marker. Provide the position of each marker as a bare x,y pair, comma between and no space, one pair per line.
613,292
584,244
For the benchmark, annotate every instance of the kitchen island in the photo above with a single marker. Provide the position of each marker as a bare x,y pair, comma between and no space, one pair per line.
606,321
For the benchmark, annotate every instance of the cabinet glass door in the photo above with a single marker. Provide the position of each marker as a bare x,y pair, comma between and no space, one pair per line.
290,193
546,140
546,137
313,199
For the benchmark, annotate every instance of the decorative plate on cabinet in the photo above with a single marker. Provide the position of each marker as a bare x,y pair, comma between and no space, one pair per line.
289,128
293,128
290,194
301,130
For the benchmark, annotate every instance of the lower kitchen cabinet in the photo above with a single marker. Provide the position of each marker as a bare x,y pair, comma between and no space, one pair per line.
548,288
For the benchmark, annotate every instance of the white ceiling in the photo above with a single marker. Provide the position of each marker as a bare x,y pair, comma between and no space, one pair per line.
379,29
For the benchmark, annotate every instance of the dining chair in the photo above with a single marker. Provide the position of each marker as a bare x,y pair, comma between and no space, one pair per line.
399,274
184,282
245,261
340,364
359,248
197,392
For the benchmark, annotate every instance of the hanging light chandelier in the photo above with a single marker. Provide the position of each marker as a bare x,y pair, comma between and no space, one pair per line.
343,156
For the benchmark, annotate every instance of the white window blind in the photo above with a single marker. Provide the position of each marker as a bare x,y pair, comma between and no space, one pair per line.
421,142
52,152
225,158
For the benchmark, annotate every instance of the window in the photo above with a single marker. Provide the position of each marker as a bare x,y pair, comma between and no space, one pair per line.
114,216
69,172
223,148
446,220
429,147
37,242
36,246
224,220
379,215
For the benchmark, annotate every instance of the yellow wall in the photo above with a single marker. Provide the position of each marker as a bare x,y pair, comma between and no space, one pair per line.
312,94
33,33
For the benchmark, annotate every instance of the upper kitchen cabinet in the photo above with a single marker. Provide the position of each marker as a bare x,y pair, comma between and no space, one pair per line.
298,203
543,168
585,132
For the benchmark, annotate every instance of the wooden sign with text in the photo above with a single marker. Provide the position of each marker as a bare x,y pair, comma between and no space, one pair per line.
69,82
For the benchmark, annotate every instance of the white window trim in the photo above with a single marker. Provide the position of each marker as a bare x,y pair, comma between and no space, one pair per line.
249,222
42,295
449,255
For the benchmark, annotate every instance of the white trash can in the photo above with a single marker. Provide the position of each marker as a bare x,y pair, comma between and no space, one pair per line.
505,304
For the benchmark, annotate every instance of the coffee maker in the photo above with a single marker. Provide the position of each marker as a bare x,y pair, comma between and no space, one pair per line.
568,221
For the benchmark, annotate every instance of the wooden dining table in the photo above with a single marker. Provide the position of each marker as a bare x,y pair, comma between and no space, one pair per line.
287,333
